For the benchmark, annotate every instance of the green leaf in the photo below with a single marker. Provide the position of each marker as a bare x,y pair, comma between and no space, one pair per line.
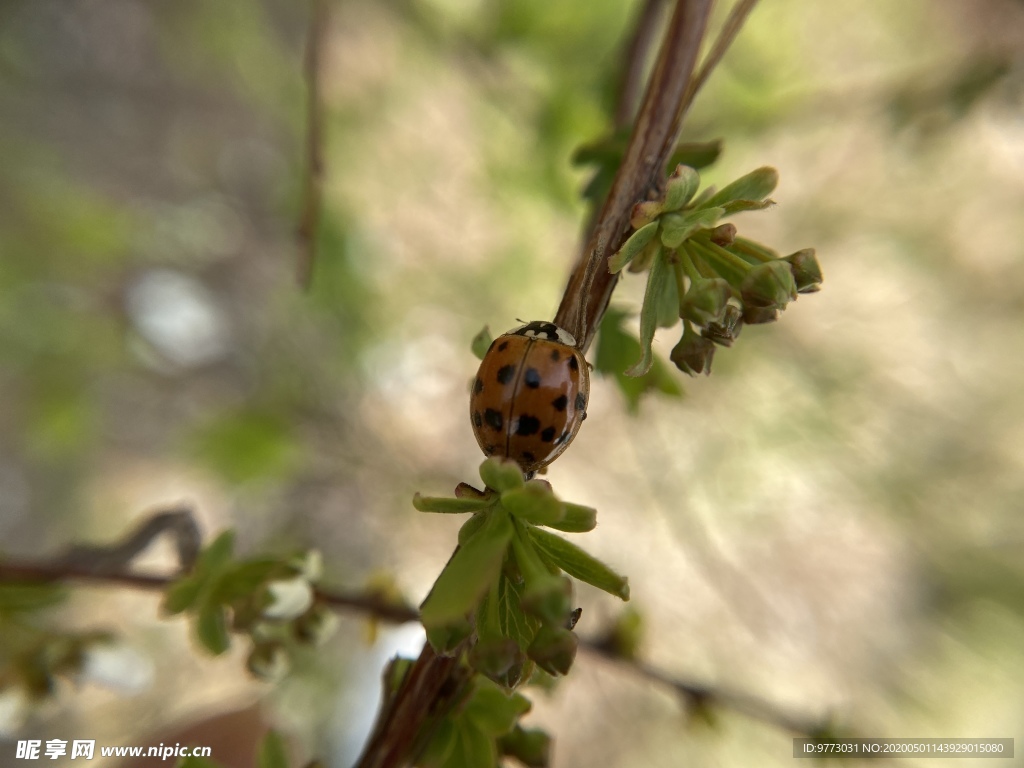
471,526
212,628
492,710
656,279
580,565
501,474
217,554
617,350
681,187
739,206
26,598
513,622
442,744
636,243
481,343
469,573
578,519
181,595
273,752
677,227
447,505
476,749
243,579
756,185
534,503
697,155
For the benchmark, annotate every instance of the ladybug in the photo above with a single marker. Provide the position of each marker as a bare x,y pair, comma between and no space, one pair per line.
530,395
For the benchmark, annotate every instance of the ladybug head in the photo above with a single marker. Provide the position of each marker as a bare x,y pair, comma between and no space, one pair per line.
544,330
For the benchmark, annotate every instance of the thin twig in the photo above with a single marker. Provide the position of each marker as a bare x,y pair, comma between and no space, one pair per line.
312,191
731,28
429,672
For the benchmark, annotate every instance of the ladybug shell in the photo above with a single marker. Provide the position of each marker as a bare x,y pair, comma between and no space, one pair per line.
530,396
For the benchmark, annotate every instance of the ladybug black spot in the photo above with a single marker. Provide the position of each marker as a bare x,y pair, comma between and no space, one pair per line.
493,419
529,456
478,420
581,401
478,387
548,435
505,374
503,346
556,355
573,364
488,450
532,378
560,402
528,425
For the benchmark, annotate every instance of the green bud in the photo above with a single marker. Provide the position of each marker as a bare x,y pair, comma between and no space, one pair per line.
770,285
645,212
723,234
759,315
726,331
681,187
705,301
534,503
693,354
268,661
806,270
677,227
316,625
481,343
554,649
549,599
501,474
496,657
531,747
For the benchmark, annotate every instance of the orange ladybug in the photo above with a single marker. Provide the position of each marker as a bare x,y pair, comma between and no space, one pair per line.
530,395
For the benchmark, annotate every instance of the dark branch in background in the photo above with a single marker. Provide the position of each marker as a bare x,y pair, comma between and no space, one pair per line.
431,681
636,62
313,183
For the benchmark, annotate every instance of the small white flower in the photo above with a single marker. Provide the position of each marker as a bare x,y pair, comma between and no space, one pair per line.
269,662
117,667
310,565
14,708
290,598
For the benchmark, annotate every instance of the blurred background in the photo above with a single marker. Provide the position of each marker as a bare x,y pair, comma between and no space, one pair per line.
833,521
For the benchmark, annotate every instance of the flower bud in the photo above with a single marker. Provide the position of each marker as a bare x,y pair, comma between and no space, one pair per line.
680,187
693,354
316,625
806,270
268,661
769,285
759,315
554,649
496,657
645,212
549,599
289,598
705,301
727,330
723,234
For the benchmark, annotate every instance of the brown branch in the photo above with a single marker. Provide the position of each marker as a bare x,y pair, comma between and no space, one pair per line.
312,191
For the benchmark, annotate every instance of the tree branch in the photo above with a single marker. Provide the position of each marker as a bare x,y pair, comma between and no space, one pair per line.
642,170
312,191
